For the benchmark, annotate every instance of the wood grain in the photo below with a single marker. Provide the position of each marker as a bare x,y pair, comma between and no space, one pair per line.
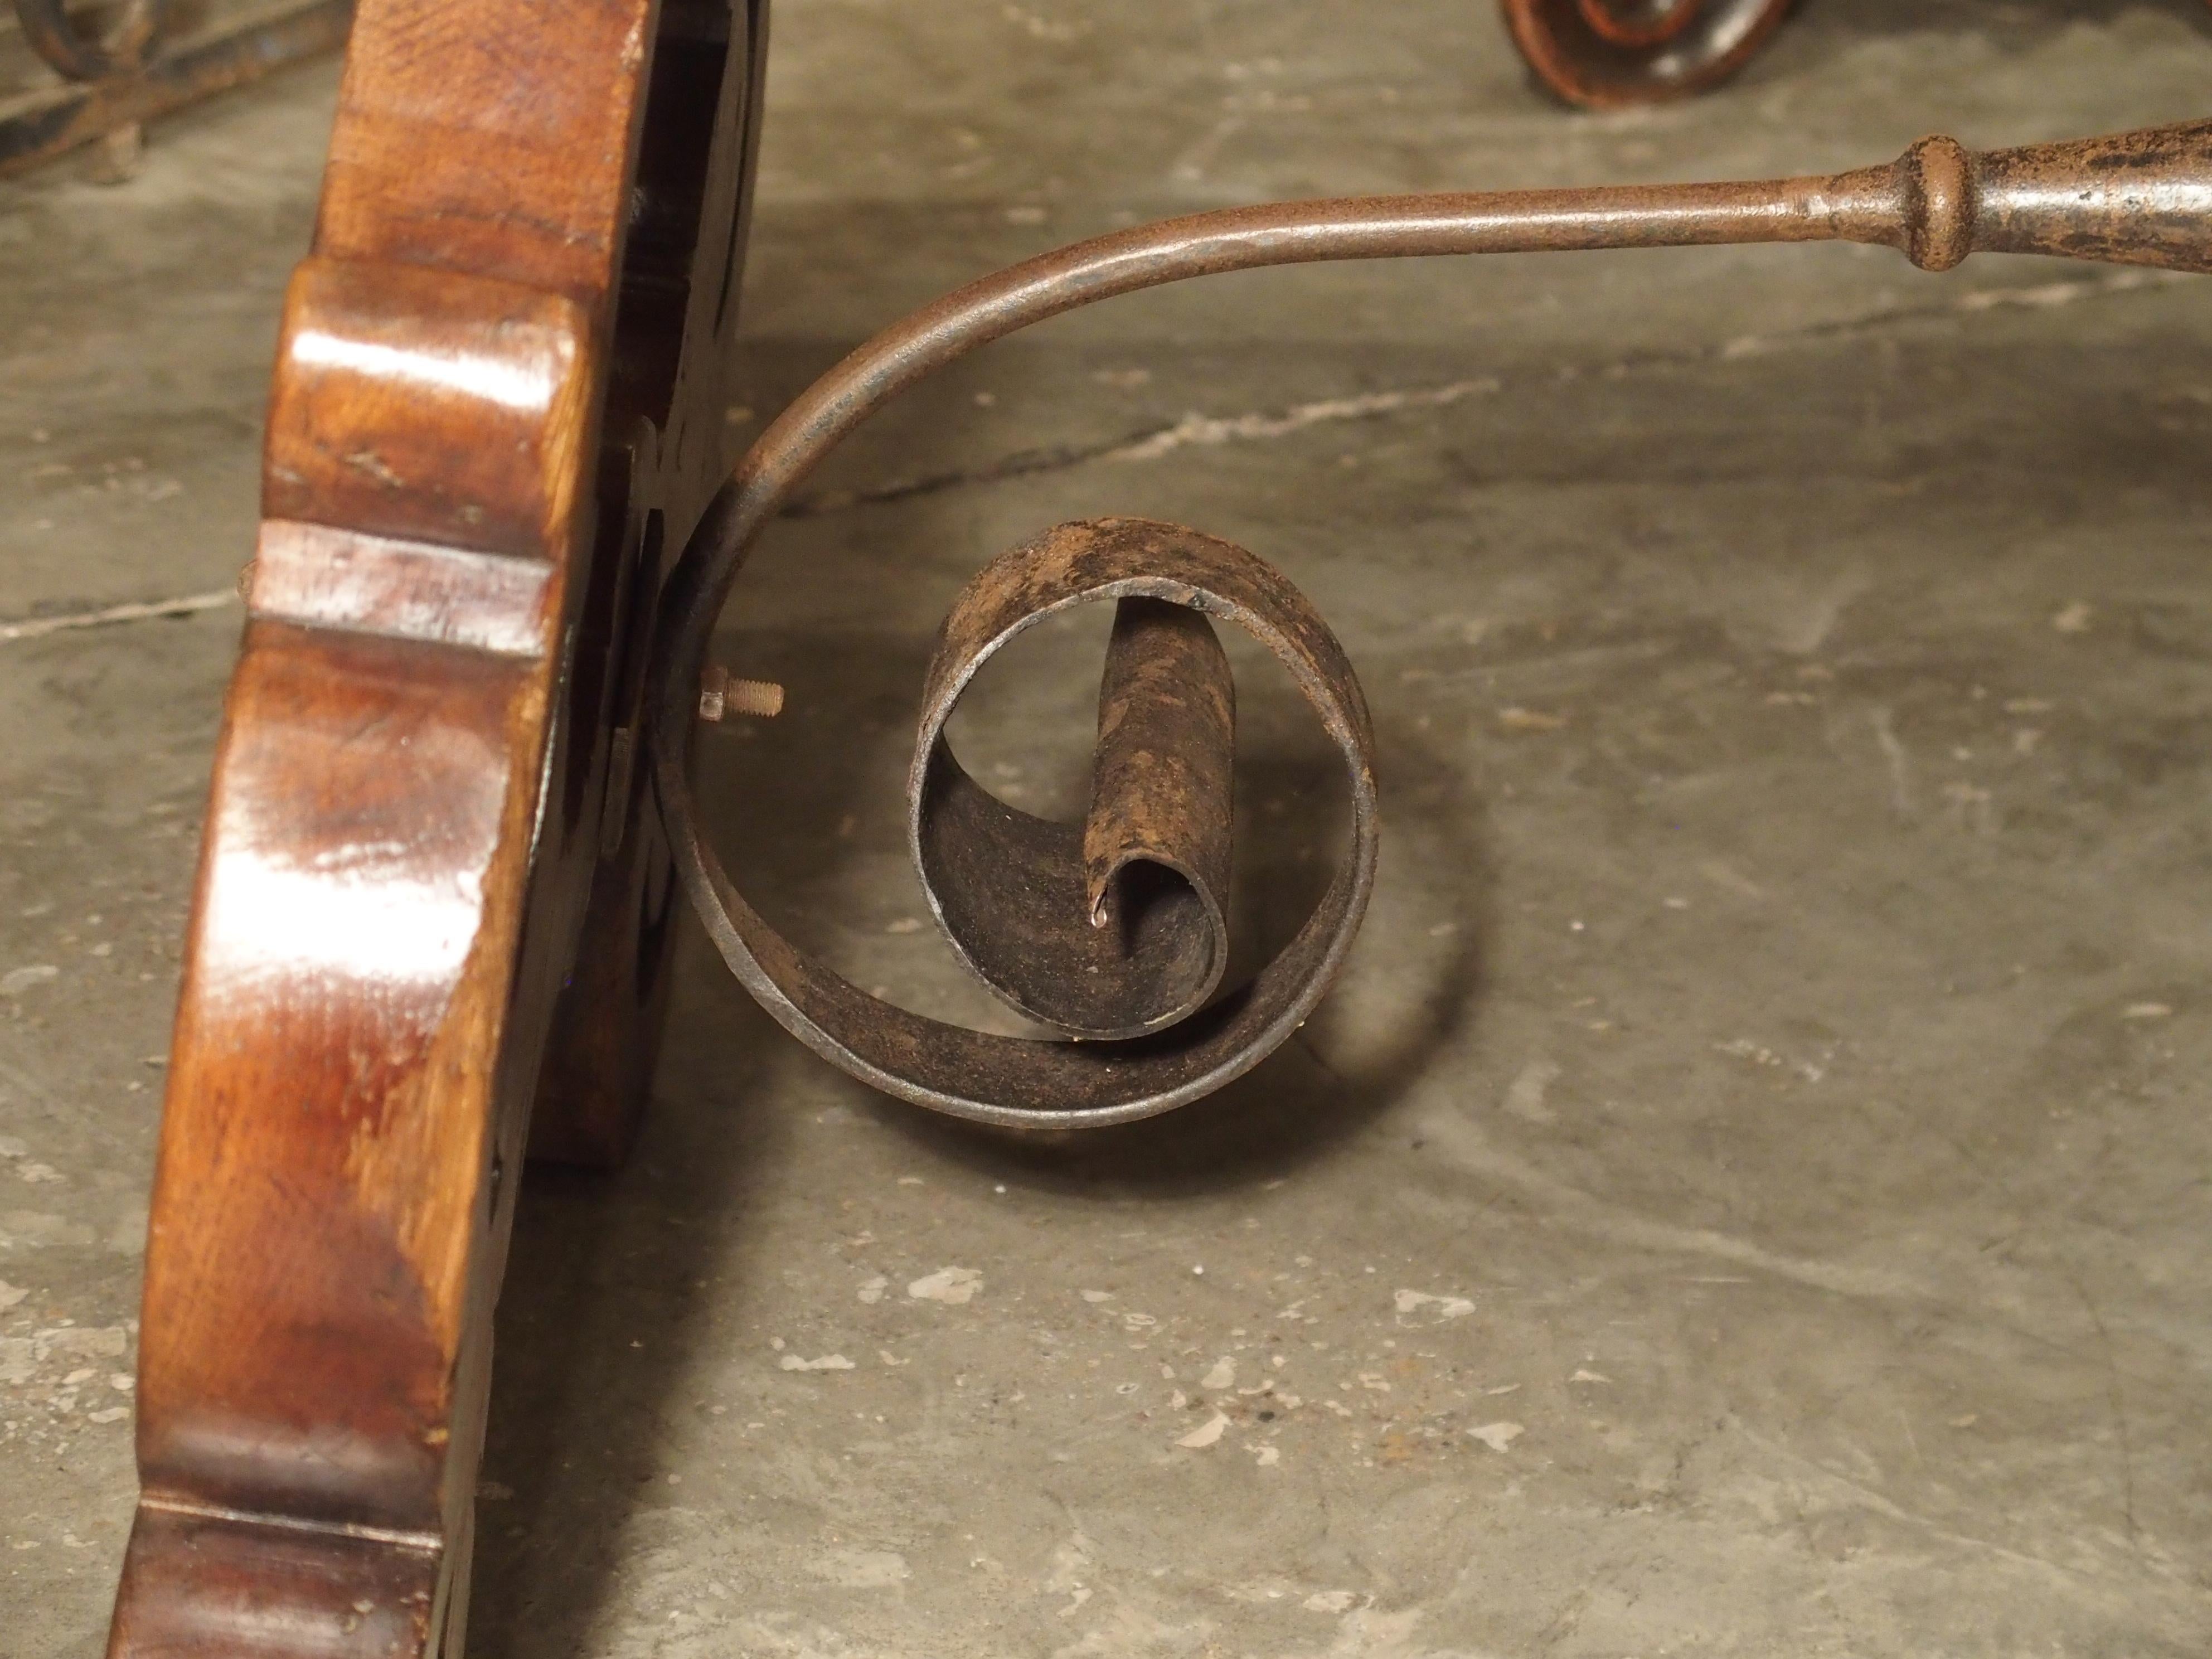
320,577
497,397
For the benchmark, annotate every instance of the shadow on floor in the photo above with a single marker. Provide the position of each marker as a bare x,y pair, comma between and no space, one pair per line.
610,1270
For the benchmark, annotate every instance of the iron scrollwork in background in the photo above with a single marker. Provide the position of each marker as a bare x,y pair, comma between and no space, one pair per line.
1609,54
119,50
1605,54
144,60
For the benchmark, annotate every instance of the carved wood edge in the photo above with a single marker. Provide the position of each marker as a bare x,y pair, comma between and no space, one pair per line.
666,447
357,1037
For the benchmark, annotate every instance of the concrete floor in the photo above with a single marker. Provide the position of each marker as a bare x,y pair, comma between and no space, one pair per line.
1748,1193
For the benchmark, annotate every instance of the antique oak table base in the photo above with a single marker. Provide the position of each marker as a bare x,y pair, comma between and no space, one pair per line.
451,803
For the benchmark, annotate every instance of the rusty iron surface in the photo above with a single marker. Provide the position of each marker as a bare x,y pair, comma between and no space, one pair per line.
1020,896
123,77
117,50
1157,841
2140,198
1609,54
1616,54
1115,928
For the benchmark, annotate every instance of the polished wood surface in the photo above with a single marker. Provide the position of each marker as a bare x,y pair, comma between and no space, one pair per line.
496,403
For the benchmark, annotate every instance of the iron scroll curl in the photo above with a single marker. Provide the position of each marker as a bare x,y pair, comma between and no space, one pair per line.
2140,198
126,42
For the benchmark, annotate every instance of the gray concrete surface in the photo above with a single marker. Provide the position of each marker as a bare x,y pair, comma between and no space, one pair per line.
1748,1195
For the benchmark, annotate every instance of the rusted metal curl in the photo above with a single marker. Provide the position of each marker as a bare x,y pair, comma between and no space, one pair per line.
126,64
1116,928
1607,54
128,38
1612,54
1112,931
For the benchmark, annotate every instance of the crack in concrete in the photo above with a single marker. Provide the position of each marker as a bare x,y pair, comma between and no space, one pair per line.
1198,430
1195,430
183,604
1892,1509
2118,1399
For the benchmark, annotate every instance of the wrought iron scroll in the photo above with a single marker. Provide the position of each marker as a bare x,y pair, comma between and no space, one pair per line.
1607,54
1031,905
137,68
1603,54
118,51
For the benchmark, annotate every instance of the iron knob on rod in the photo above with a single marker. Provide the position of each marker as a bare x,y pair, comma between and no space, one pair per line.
2140,198
1022,900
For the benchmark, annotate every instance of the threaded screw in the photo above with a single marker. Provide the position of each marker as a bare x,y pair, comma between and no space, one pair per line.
720,696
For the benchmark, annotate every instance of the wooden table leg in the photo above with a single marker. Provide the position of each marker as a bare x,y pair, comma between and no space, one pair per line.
421,805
